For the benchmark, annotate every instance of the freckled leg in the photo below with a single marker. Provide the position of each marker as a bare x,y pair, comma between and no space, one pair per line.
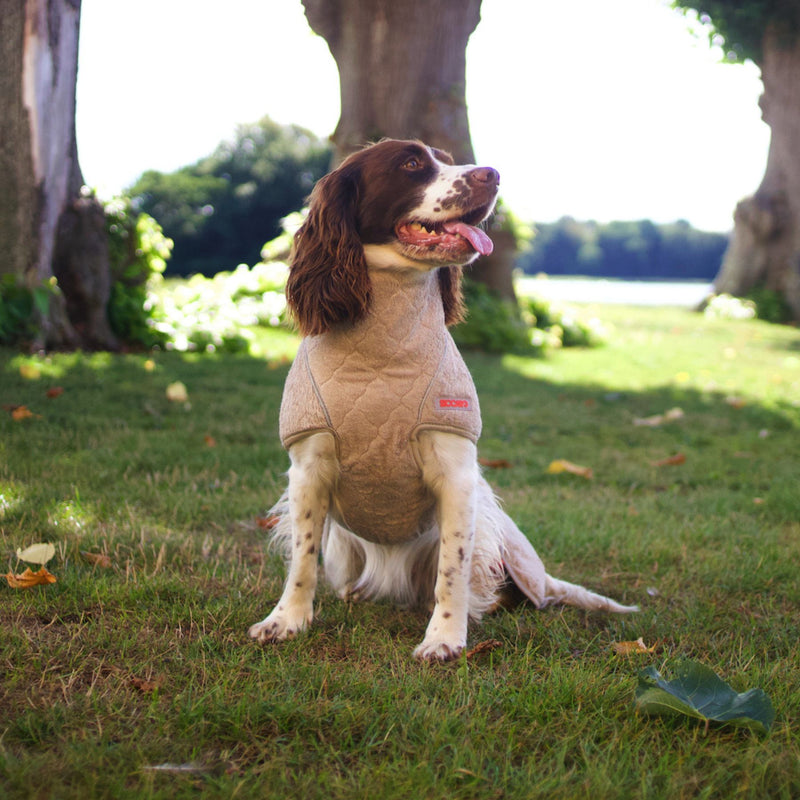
311,478
450,470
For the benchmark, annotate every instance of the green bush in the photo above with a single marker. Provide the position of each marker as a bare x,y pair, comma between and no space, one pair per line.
497,326
217,314
770,305
138,253
492,324
20,305
561,325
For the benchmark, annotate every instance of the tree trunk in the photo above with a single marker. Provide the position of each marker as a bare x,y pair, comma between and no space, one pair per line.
402,74
40,179
764,251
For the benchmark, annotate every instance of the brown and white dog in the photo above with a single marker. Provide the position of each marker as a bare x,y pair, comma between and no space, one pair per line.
379,413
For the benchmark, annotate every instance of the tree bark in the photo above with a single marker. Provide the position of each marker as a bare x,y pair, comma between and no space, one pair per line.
402,74
40,178
765,246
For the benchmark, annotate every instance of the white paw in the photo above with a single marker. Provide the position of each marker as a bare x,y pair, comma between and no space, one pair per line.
438,650
280,625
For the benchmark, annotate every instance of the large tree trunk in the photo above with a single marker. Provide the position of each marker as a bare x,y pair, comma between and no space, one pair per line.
402,74
46,229
764,251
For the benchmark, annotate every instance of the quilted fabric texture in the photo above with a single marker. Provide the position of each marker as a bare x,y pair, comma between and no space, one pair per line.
375,385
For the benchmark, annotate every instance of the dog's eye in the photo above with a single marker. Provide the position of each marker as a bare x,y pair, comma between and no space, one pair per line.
412,164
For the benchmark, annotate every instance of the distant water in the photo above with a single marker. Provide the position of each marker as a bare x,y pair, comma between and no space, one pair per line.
608,291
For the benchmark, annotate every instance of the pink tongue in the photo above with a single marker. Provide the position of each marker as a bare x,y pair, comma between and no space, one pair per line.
475,236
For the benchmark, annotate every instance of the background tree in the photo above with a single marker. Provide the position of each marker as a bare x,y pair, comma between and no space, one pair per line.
221,210
402,74
764,253
47,229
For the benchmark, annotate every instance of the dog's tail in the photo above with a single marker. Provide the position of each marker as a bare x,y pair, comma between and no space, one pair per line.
525,568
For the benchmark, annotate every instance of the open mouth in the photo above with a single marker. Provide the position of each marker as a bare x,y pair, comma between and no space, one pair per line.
448,236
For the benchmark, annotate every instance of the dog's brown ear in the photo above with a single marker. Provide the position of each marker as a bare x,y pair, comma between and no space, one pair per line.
328,280
452,298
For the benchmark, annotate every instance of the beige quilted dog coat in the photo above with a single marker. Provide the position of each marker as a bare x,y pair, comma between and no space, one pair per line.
375,386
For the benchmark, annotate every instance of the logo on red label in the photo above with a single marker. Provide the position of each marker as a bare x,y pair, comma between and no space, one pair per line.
452,402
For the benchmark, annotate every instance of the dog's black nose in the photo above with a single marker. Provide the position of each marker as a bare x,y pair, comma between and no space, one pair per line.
487,176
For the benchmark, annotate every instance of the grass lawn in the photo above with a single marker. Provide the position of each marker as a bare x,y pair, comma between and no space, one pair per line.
136,680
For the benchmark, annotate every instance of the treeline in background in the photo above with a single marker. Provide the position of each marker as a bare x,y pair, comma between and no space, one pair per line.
640,250
220,211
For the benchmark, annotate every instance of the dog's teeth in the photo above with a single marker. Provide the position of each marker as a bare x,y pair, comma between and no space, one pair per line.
416,226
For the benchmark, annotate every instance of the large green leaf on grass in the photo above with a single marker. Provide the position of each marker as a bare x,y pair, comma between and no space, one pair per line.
697,691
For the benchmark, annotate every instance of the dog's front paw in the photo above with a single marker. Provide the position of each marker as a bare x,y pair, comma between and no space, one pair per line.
438,650
279,626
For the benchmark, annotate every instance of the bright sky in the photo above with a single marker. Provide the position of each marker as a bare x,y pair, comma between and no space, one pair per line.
597,109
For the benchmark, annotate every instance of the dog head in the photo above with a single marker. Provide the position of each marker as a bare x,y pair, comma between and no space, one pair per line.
393,205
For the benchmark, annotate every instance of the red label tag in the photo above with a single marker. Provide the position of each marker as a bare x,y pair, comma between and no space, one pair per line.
452,402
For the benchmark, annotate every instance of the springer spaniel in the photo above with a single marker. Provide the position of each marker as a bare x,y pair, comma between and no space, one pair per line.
379,412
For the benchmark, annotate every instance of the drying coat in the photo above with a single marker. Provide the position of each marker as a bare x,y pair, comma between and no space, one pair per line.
375,385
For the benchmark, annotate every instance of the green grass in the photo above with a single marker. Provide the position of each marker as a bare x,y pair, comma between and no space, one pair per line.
109,674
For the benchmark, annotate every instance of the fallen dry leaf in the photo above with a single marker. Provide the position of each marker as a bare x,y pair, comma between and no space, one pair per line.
19,413
562,465
29,579
659,419
735,402
268,523
494,463
210,441
176,392
483,647
671,461
39,553
147,686
55,391
96,559
632,648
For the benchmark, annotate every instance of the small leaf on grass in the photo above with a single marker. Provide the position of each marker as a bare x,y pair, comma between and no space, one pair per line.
96,559
54,391
483,647
39,553
29,579
268,523
19,413
147,686
659,419
176,393
697,691
562,465
671,461
494,463
631,648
